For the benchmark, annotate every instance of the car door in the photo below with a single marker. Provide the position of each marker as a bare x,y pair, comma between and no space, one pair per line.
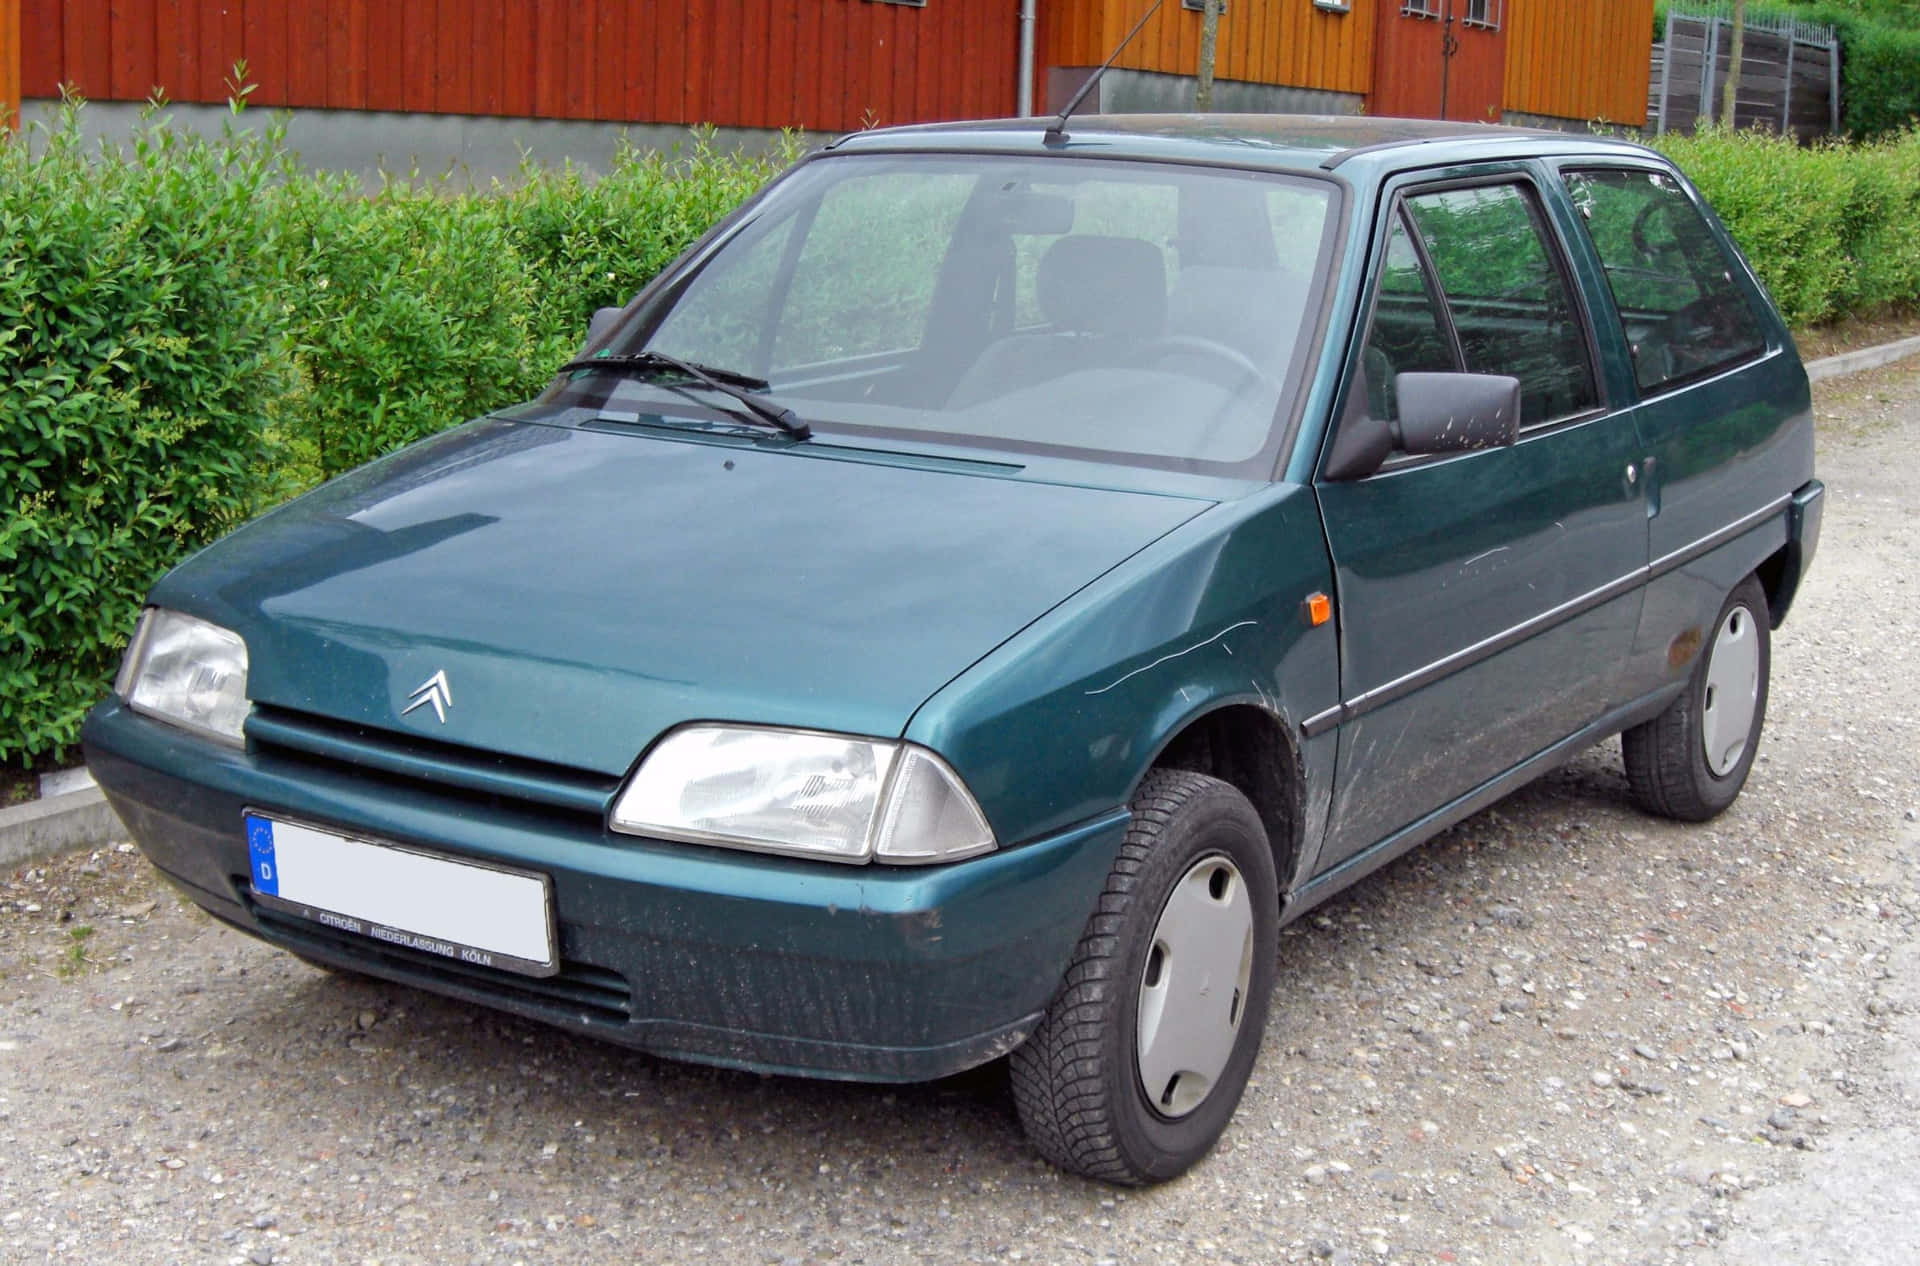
1485,598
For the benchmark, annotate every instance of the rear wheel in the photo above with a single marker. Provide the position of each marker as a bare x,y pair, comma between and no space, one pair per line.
1142,1056
1691,760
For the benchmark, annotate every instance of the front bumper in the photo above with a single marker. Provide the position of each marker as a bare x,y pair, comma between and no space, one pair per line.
778,965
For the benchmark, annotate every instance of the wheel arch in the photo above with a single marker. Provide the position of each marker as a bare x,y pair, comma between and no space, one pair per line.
1245,744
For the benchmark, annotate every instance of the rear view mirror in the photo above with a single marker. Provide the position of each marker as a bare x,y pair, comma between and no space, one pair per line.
1453,413
1025,212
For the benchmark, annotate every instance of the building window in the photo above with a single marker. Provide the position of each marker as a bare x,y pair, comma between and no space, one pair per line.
1483,13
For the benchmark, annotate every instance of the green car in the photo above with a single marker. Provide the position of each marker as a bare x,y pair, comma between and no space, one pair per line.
988,585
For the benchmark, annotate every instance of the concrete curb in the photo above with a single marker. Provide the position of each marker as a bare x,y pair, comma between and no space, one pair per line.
81,819
1865,358
54,824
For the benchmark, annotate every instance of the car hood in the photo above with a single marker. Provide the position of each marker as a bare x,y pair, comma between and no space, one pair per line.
582,592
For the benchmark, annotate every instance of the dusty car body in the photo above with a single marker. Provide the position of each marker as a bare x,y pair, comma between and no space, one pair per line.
998,576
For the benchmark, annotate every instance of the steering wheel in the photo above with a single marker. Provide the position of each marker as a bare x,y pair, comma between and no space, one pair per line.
1239,367
1639,230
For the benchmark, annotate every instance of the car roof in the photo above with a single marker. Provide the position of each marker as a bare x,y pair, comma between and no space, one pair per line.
1274,141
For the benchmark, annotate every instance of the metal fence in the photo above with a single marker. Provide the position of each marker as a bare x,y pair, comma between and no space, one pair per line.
1789,74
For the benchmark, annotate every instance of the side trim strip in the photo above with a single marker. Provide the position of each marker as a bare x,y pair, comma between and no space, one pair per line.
1321,722
1487,647
1713,540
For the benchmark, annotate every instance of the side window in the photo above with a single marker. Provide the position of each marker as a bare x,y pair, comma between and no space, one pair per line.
1510,302
1684,313
1408,334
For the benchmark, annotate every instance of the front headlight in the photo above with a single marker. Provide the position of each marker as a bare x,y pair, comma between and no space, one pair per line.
186,672
795,791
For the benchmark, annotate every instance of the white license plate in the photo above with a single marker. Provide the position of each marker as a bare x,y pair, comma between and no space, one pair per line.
487,915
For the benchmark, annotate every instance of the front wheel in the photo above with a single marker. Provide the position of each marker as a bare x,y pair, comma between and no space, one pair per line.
1691,760
1142,1056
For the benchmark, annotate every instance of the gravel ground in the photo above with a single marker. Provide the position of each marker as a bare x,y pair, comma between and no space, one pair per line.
1562,1032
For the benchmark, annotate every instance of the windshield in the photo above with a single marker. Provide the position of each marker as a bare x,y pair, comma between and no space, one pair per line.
1133,311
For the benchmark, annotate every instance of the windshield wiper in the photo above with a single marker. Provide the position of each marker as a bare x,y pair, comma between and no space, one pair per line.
727,382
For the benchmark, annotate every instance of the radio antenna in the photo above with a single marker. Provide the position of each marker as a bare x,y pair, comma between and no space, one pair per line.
1058,132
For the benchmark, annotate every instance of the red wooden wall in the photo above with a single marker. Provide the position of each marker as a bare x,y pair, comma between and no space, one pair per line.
1410,65
824,65
9,64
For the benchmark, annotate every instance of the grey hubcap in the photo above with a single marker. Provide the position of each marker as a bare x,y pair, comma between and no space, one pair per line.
1193,990
1733,691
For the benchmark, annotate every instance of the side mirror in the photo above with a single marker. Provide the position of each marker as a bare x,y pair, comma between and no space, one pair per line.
600,323
1454,413
1437,413
1362,442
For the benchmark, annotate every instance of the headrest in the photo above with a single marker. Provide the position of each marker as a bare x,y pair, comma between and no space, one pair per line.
1104,285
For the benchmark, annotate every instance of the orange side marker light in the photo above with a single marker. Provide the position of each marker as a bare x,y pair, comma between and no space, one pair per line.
1318,608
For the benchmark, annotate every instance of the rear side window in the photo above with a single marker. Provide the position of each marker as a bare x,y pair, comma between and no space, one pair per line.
1684,312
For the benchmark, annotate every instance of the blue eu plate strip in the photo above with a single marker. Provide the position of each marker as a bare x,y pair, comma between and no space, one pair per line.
266,876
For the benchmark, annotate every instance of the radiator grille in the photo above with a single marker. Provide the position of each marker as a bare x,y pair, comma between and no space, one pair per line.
442,767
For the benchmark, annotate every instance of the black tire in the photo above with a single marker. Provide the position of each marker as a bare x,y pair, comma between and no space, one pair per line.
1666,758
1076,1081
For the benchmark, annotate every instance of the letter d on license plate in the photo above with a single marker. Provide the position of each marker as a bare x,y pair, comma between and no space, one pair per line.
477,913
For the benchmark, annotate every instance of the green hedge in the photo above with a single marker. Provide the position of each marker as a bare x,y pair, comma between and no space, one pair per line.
1829,228
425,304
193,330
592,243
406,310
141,349
1880,78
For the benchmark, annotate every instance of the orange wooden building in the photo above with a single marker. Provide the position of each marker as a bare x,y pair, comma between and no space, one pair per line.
831,65
1578,60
